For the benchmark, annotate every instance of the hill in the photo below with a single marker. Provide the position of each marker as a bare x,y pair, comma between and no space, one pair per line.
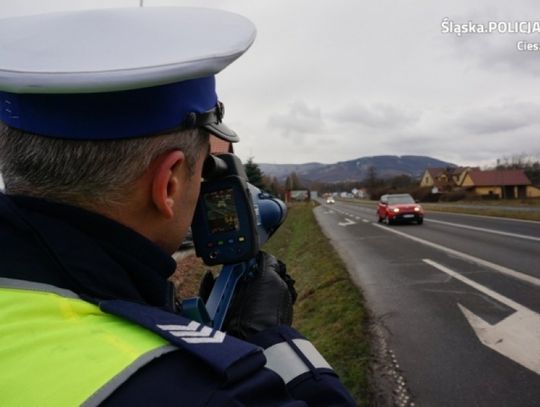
386,166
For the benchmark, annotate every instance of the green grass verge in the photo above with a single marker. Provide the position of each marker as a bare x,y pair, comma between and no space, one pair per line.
491,211
329,310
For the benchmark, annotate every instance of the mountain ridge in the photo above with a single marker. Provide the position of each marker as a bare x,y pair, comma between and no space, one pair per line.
386,166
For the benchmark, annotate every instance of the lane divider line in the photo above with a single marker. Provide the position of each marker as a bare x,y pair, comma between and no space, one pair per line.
490,293
496,232
501,269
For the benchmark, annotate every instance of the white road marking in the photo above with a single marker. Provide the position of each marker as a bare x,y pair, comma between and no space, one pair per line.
496,232
347,222
501,269
517,336
365,220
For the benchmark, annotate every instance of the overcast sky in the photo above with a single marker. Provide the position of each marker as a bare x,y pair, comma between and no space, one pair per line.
334,80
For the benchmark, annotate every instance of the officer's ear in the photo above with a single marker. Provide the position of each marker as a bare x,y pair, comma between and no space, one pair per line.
166,182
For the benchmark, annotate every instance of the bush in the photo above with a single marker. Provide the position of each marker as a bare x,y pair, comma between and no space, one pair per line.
453,196
423,194
490,197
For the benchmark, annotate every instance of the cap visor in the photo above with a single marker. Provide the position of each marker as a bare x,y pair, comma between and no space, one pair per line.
222,131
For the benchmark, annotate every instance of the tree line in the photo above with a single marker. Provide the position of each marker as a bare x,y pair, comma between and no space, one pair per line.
373,184
529,165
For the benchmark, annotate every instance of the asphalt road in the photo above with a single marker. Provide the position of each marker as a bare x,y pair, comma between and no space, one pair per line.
456,301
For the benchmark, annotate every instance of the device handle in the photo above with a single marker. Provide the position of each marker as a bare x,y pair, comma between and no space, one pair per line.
220,298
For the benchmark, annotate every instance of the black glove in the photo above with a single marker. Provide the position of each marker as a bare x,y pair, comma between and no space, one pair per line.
263,298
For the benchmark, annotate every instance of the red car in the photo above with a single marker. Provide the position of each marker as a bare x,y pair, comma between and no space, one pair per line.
399,208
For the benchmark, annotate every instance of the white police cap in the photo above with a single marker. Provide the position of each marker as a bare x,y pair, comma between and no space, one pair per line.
118,73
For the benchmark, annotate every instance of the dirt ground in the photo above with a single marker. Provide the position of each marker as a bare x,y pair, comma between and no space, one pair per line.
188,274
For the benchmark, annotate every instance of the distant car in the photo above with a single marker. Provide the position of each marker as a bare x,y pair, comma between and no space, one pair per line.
330,200
399,208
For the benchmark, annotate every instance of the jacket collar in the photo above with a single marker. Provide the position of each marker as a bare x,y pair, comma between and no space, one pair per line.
85,252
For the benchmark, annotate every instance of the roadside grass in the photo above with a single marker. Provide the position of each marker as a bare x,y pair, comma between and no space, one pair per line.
329,309
526,203
493,210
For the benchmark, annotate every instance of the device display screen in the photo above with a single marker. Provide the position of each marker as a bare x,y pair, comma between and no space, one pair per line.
221,211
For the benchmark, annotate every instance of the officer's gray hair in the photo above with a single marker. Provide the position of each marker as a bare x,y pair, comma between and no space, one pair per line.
90,174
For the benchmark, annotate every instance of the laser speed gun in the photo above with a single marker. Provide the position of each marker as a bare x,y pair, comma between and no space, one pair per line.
233,219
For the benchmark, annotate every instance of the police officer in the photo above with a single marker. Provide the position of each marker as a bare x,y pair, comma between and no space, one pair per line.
106,118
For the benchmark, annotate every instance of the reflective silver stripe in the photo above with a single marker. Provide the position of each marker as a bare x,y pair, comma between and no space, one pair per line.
33,286
284,360
105,391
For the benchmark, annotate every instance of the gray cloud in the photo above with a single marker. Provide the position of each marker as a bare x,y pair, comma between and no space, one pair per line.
453,143
378,115
498,51
462,99
500,118
300,119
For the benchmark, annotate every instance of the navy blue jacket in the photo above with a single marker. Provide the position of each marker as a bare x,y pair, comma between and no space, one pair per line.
126,274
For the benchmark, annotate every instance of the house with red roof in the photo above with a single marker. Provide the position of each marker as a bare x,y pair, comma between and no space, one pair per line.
505,184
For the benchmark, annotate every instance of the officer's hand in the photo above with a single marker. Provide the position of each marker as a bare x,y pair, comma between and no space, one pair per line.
263,299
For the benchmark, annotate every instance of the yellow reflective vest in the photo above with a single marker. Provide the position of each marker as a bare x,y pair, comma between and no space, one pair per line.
57,350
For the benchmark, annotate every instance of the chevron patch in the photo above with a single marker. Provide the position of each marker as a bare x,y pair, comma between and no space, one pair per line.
193,333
